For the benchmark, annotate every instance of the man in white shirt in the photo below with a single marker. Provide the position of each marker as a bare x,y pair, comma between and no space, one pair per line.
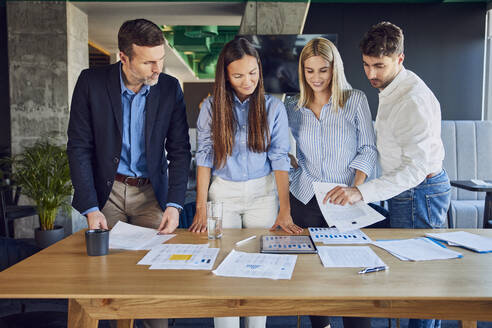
408,138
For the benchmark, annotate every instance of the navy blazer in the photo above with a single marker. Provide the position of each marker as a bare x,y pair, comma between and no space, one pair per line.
95,138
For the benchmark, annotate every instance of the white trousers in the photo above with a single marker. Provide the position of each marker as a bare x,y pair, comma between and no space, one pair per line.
247,204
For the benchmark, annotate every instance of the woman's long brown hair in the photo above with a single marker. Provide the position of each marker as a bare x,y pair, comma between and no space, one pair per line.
224,123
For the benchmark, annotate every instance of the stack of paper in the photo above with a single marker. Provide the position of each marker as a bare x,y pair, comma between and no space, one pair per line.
181,257
256,265
417,249
465,239
334,236
349,257
348,217
132,237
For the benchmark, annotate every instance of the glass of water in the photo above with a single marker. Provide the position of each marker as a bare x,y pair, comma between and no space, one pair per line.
214,220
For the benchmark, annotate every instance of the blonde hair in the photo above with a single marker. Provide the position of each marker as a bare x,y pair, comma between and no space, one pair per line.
340,88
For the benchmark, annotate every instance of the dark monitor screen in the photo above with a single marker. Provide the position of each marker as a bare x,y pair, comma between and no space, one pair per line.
279,56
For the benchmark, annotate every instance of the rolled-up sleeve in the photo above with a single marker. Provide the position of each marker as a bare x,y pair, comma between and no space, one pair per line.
205,151
279,137
366,157
413,134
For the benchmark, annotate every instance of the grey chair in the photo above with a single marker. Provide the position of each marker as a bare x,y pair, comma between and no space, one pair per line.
468,155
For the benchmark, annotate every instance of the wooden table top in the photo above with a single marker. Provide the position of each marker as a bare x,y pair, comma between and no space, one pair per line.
65,271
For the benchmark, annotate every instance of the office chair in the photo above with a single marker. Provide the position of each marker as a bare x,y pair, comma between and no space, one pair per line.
10,211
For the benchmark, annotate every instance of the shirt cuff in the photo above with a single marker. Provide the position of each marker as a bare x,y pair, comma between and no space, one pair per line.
206,160
90,210
281,164
366,192
362,165
179,207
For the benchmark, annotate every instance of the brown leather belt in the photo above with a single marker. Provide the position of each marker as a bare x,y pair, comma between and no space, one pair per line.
131,181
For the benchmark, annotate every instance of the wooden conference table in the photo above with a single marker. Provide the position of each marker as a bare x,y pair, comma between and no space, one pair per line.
114,287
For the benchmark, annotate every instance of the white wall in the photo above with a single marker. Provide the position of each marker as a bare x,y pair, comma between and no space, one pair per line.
487,102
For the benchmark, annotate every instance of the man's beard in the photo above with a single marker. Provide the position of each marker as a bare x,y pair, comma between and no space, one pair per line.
150,81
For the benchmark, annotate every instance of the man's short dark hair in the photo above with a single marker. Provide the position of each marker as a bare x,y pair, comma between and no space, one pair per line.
141,32
382,39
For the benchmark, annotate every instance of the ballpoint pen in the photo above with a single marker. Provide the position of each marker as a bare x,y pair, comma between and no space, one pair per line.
245,240
373,269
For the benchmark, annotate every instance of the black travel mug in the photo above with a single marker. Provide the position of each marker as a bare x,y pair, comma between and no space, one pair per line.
97,242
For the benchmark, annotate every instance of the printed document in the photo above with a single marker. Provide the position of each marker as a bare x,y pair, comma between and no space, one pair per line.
132,237
417,249
349,257
334,236
180,257
465,239
348,217
257,265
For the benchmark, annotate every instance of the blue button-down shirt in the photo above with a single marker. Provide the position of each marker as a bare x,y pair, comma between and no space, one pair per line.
331,148
132,160
243,164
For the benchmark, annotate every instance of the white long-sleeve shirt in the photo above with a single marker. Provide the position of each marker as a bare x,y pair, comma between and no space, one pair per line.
408,137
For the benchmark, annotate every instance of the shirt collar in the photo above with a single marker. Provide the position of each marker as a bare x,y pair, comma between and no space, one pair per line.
394,84
304,109
143,91
236,100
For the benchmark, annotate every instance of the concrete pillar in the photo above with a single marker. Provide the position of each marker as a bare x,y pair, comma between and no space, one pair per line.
114,58
47,49
77,47
274,17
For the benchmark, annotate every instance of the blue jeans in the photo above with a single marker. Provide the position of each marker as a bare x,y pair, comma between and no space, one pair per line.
422,207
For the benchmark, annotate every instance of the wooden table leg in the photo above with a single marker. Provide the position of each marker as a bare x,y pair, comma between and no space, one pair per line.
468,324
78,317
125,323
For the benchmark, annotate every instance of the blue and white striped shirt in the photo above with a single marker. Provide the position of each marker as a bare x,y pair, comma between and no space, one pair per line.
243,164
332,148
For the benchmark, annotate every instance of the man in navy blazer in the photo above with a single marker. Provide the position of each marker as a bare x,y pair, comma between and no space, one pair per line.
128,143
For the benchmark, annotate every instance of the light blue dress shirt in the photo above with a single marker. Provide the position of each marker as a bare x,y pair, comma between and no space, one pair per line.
332,148
132,160
243,164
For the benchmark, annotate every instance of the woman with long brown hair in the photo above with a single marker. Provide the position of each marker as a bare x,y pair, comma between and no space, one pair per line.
243,136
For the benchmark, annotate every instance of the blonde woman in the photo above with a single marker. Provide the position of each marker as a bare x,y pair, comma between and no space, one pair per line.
331,123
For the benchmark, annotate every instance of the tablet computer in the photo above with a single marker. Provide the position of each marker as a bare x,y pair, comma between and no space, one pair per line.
287,245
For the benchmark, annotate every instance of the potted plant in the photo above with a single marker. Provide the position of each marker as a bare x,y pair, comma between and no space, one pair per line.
43,173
